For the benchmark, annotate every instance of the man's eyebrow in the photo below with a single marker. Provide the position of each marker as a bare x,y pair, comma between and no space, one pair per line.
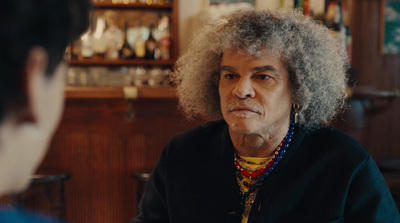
256,69
265,68
227,68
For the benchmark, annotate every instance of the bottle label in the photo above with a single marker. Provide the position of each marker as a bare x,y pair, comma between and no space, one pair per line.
140,49
151,45
165,42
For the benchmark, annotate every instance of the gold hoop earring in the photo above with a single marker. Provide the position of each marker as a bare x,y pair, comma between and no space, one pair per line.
296,108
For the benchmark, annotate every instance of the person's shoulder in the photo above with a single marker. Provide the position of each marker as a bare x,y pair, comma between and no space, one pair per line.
337,141
11,215
204,130
202,135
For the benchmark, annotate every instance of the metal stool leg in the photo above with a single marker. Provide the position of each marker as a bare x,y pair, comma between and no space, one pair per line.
62,200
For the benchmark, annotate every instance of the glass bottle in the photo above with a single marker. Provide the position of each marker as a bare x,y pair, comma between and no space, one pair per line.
115,39
75,49
339,26
126,51
86,45
165,40
140,42
138,35
151,45
99,42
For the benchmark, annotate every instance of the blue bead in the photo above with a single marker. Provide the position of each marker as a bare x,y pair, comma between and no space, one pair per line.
282,151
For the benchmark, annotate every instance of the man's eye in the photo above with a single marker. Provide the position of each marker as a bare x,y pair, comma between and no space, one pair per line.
229,76
263,77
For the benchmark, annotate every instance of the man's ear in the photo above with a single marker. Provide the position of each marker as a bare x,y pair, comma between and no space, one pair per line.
34,71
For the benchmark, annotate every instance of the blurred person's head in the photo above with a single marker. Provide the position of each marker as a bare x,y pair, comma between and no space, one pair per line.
33,38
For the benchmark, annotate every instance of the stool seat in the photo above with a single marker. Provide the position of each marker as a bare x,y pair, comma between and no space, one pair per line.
49,175
142,176
46,177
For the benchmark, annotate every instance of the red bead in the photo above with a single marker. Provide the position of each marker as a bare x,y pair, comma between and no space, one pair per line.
244,172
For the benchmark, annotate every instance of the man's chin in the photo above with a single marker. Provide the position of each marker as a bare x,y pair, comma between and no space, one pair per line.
243,127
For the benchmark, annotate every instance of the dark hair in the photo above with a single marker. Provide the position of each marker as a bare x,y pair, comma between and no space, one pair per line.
24,24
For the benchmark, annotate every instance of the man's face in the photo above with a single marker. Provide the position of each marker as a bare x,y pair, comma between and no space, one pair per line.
254,92
25,143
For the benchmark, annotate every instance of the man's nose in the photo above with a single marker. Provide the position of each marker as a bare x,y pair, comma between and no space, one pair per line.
243,89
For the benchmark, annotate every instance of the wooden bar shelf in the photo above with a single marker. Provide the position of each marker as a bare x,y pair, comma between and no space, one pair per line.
133,62
100,5
145,92
373,93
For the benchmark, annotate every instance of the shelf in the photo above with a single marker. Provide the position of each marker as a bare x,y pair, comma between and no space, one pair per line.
133,62
373,100
147,92
373,93
108,5
132,5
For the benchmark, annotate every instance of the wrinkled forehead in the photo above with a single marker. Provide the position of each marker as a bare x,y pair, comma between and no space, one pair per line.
249,53
253,48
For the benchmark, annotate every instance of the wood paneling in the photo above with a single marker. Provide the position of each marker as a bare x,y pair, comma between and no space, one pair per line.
380,134
101,147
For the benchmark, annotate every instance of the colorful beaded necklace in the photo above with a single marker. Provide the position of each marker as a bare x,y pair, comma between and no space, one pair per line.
261,173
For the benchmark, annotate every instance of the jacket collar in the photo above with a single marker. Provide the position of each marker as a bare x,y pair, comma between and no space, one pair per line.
229,172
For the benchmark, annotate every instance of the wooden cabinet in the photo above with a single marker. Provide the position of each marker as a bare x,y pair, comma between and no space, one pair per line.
81,87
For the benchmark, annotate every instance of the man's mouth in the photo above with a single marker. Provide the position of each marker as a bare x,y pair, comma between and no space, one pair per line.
243,109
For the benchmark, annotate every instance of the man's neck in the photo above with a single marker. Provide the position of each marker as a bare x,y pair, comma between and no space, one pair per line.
257,145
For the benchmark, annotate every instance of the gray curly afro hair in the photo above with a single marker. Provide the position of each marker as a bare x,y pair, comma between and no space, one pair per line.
315,60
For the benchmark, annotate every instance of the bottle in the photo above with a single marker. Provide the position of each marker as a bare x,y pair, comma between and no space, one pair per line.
99,42
131,34
140,43
165,40
306,7
75,49
151,45
115,39
349,43
330,14
299,4
339,26
349,40
86,45
126,51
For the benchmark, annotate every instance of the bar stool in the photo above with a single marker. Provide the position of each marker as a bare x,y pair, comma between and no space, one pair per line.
142,176
46,177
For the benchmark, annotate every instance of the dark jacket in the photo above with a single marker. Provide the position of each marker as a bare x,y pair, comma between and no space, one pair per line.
325,176
13,215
